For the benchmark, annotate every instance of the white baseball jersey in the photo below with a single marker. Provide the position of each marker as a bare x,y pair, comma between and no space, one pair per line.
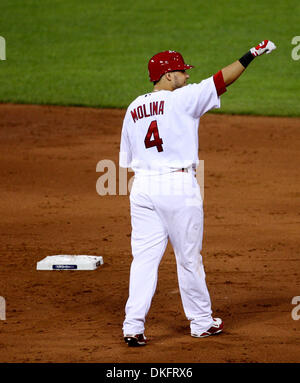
160,129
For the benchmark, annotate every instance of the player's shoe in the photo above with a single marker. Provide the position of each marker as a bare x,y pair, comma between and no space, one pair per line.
215,329
135,340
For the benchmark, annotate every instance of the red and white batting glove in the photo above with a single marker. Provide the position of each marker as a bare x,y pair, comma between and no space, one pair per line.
265,46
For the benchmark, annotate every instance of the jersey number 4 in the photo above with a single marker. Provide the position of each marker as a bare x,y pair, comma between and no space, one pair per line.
156,141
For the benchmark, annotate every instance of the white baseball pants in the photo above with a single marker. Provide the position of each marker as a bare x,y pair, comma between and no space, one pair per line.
167,207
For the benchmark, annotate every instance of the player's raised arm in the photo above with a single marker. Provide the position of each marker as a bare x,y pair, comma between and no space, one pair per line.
233,71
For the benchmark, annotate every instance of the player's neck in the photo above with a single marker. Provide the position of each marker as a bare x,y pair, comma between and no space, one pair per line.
159,87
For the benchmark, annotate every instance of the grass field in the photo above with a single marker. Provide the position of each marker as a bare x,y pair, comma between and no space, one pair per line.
95,53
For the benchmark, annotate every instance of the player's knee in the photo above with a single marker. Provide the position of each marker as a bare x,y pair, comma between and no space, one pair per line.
187,263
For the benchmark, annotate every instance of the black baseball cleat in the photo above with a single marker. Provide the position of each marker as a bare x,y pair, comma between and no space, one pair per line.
135,340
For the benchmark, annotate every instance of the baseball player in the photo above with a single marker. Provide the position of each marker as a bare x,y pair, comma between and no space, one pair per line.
159,141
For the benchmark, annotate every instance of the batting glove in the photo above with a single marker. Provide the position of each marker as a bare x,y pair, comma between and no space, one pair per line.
265,46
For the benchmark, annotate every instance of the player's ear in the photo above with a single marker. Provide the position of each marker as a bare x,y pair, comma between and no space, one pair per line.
168,76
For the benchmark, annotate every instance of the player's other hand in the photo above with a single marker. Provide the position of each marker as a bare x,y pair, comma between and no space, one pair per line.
265,46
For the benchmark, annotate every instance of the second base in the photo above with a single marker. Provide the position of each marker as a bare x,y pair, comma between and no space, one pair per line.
69,262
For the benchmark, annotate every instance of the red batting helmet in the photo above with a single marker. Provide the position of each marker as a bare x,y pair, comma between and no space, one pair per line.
163,62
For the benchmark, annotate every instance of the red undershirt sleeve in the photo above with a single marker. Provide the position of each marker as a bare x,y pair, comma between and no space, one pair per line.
219,83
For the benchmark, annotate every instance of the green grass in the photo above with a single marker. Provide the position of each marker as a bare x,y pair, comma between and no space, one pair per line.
95,53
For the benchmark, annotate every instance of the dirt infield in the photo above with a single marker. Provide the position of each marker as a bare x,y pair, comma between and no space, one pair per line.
49,205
